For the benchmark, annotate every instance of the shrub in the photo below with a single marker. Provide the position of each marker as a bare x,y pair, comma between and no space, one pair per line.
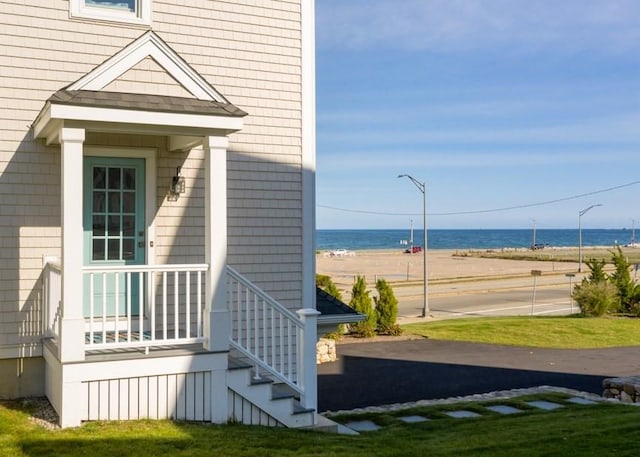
386,308
595,298
362,303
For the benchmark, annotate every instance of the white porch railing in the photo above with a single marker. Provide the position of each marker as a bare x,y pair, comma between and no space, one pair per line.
265,331
52,295
144,305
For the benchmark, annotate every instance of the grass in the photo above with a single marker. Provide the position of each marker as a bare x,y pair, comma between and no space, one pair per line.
545,332
597,430
553,255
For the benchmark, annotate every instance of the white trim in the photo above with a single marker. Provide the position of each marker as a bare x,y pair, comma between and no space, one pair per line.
80,9
308,157
125,116
149,155
148,45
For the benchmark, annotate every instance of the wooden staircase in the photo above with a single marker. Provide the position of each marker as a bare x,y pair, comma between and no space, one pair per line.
262,400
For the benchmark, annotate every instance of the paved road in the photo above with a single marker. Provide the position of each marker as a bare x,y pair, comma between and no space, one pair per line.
493,297
380,373
550,300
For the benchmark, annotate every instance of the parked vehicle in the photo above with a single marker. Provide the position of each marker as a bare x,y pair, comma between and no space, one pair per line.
413,250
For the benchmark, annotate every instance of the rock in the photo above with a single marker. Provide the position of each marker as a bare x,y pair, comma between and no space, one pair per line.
625,397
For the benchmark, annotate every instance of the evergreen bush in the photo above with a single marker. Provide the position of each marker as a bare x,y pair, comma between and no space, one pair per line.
362,303
386,309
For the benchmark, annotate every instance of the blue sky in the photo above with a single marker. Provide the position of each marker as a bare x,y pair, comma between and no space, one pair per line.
494,103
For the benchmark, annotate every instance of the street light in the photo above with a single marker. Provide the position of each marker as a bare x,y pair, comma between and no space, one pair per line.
422,187
580,214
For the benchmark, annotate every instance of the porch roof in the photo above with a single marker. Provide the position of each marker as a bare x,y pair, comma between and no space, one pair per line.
183,119
333,311
144,102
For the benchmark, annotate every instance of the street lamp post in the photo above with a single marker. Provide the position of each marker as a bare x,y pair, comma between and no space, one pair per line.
580,214
422,187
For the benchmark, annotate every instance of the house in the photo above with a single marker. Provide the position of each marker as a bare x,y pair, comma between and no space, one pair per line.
157,163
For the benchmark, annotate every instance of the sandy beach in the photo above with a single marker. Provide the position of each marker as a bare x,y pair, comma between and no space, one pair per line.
442,265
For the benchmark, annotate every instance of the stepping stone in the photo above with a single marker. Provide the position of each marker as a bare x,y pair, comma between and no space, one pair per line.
581,401
504,409
461,414
363,426
546,405
413,419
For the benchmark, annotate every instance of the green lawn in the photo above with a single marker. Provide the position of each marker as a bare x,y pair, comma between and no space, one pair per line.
545,332
600,430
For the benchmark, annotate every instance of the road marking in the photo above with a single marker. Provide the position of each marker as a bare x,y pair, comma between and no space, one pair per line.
528,306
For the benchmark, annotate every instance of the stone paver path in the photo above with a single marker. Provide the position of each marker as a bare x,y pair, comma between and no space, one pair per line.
545,405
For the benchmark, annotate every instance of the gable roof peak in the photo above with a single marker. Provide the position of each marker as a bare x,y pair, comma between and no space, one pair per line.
151,45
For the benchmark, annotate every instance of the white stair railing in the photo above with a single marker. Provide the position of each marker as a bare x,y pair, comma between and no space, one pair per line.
265,331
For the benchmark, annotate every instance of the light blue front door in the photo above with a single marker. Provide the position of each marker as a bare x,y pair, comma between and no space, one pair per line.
114,231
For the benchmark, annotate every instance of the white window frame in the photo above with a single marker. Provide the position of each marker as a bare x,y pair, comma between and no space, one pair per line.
142,15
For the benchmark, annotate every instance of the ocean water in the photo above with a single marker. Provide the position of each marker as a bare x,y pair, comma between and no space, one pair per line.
469,239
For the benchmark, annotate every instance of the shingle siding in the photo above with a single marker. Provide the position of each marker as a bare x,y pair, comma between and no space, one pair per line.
248,49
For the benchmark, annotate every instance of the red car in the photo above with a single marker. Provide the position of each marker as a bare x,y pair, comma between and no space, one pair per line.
413,250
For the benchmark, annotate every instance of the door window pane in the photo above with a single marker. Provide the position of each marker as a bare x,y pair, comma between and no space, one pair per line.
128,225
99,174
129,178
114,249
114,178
114,202
128,202
98,202
98,249
114,225
98,225
128,249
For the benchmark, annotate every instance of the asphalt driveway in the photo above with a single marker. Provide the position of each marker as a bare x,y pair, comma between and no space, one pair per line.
378,373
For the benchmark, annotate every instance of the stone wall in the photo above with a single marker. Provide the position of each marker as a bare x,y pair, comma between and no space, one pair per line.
626,390
326,350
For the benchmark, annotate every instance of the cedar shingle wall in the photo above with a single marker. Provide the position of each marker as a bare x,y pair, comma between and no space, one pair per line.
248,49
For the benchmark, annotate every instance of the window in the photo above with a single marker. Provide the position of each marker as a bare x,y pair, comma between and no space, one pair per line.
132,11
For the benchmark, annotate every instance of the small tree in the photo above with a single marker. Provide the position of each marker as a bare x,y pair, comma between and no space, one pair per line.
386,309
596,267
362,303
621,279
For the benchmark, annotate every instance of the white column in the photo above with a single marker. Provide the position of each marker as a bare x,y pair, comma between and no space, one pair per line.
307,361
72,324
308,157
217,323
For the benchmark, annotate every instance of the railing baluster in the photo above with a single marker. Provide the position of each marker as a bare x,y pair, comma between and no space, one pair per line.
273,337
176,307
188,305
116,333
91,305
152,311
199,317
128,306
142,280
289,352
104,308
164,305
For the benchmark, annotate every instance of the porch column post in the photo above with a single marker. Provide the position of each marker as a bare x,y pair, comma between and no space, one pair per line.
71,345
217,320
307,359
